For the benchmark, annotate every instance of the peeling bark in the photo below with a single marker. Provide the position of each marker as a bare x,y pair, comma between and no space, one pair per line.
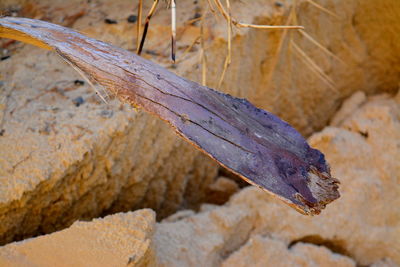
255,144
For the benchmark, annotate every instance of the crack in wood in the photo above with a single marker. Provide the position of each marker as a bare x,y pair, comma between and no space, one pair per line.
265,150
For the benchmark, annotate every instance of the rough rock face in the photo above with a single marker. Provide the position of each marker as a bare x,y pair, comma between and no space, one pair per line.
220,191
264,251
206,237
117,240
66,155
253,229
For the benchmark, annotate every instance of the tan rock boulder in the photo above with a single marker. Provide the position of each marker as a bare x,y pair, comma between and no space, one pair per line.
204,238
65,155
117,240
220,191
264,251
254,229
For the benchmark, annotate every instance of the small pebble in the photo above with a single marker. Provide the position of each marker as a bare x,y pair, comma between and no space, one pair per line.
79,82
110,21
196,15
78,101
46,129
2,131
107,113
132,18
278,4
151,52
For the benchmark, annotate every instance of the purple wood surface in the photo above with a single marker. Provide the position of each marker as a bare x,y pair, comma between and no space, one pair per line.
255,144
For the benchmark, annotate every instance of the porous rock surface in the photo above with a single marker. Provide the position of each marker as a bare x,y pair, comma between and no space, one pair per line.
362,228
65,155
264,251
117,240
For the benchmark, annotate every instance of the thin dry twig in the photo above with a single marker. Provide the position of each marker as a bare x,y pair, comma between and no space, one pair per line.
211,7
173,30
313,66
255,26
83,75
307,59
191,21
146,26
323,48
139,25
315,42
228,57
279,48
238,24
323,9
203,57
187,50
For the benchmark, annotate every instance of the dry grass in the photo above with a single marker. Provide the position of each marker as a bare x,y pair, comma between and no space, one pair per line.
323,9
139,25
313,66
146,26
218,9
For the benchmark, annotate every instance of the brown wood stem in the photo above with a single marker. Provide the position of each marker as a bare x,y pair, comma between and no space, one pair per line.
255,144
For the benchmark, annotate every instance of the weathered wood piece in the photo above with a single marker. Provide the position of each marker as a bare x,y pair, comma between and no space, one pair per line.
255,144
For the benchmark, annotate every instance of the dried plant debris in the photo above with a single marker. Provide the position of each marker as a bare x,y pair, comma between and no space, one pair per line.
226,14
255,144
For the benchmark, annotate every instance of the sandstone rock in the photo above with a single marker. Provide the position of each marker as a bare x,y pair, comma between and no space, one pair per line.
204,238
265,251
221,190
254,229
384,263
65,155
116,240
61,161
348,107
179,215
